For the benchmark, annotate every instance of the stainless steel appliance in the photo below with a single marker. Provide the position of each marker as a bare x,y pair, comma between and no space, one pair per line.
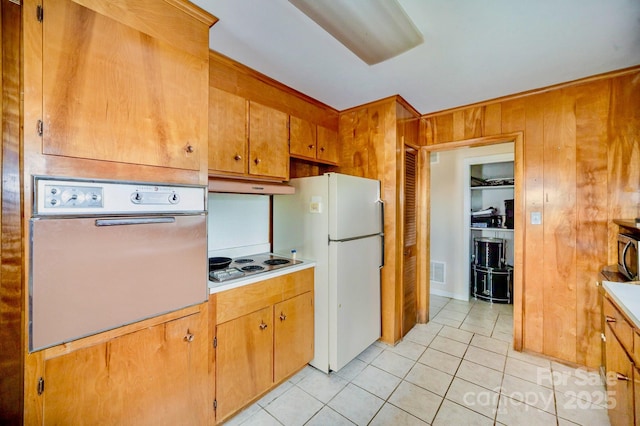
249,265
108,253
628,259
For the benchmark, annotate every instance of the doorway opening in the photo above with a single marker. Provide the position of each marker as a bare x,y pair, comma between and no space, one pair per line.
450,245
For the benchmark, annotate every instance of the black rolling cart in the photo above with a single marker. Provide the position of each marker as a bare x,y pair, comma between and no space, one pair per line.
491,277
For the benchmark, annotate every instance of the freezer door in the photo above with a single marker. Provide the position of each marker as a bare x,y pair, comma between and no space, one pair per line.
354,206
354,298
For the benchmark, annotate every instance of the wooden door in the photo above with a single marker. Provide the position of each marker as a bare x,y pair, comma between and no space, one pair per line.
302,138
268,142
227,132
293,335
619,369
154,376
327,145
410,232
113,92
244,360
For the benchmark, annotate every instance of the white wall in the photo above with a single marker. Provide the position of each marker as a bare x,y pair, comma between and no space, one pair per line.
238,224
448,217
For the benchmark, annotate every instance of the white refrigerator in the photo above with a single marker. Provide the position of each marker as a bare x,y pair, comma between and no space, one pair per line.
337,221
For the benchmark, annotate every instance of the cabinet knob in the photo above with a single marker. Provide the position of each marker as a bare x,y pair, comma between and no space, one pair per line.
610,319
189,148
188,337
257,161
238,157
282,316
311,146
263,326
322,149
621,376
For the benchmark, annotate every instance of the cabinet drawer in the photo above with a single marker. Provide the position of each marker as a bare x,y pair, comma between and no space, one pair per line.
619,325
243,300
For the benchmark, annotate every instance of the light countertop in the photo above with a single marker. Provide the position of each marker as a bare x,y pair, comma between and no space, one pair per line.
216,287
627,297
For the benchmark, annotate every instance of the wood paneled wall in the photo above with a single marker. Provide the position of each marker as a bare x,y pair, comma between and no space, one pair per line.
581,171
11,358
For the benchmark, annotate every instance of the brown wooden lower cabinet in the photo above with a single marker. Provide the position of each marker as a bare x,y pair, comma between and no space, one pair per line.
157,375
263,336
293,335
244,360
620,384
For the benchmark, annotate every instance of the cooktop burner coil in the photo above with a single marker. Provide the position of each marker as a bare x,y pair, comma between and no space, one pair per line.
244,260
276,261
252,268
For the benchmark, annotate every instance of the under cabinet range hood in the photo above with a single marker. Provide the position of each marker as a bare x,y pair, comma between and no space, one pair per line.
249,187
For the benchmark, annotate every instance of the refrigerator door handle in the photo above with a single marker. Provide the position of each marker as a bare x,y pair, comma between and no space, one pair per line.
381,201
344,240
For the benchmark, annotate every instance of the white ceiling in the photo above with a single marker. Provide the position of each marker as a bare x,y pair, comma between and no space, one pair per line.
474,50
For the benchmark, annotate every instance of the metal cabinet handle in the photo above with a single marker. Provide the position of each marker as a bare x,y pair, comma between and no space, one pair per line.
282,316
610,319
263,326
621,376
238,157
189,337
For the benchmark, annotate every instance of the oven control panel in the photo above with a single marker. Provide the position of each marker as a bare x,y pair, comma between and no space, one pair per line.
57,196
89,197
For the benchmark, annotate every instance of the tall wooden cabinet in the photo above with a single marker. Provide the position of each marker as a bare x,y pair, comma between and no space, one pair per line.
115,90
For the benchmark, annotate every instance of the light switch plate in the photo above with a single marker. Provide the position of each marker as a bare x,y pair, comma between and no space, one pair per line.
536,218
315,206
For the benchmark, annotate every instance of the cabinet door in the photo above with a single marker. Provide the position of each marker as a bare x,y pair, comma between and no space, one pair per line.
327,145
227,132
293,336
268,142
619,381
115,93
244,360
302,138
154,376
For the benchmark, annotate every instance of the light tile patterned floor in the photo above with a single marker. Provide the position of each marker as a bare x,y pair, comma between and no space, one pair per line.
459,369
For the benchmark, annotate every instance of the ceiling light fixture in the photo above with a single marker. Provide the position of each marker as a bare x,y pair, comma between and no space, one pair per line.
375,30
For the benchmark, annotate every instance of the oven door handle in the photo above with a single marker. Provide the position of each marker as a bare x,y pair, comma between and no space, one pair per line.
134,221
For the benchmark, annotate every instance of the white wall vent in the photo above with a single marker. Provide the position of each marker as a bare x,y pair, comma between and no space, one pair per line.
437,271
435,157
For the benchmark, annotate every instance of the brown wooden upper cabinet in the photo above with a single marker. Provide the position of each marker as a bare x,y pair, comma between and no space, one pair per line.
313,142
124,88
246,138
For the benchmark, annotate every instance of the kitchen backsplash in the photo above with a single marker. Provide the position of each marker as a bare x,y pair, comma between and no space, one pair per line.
238,224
